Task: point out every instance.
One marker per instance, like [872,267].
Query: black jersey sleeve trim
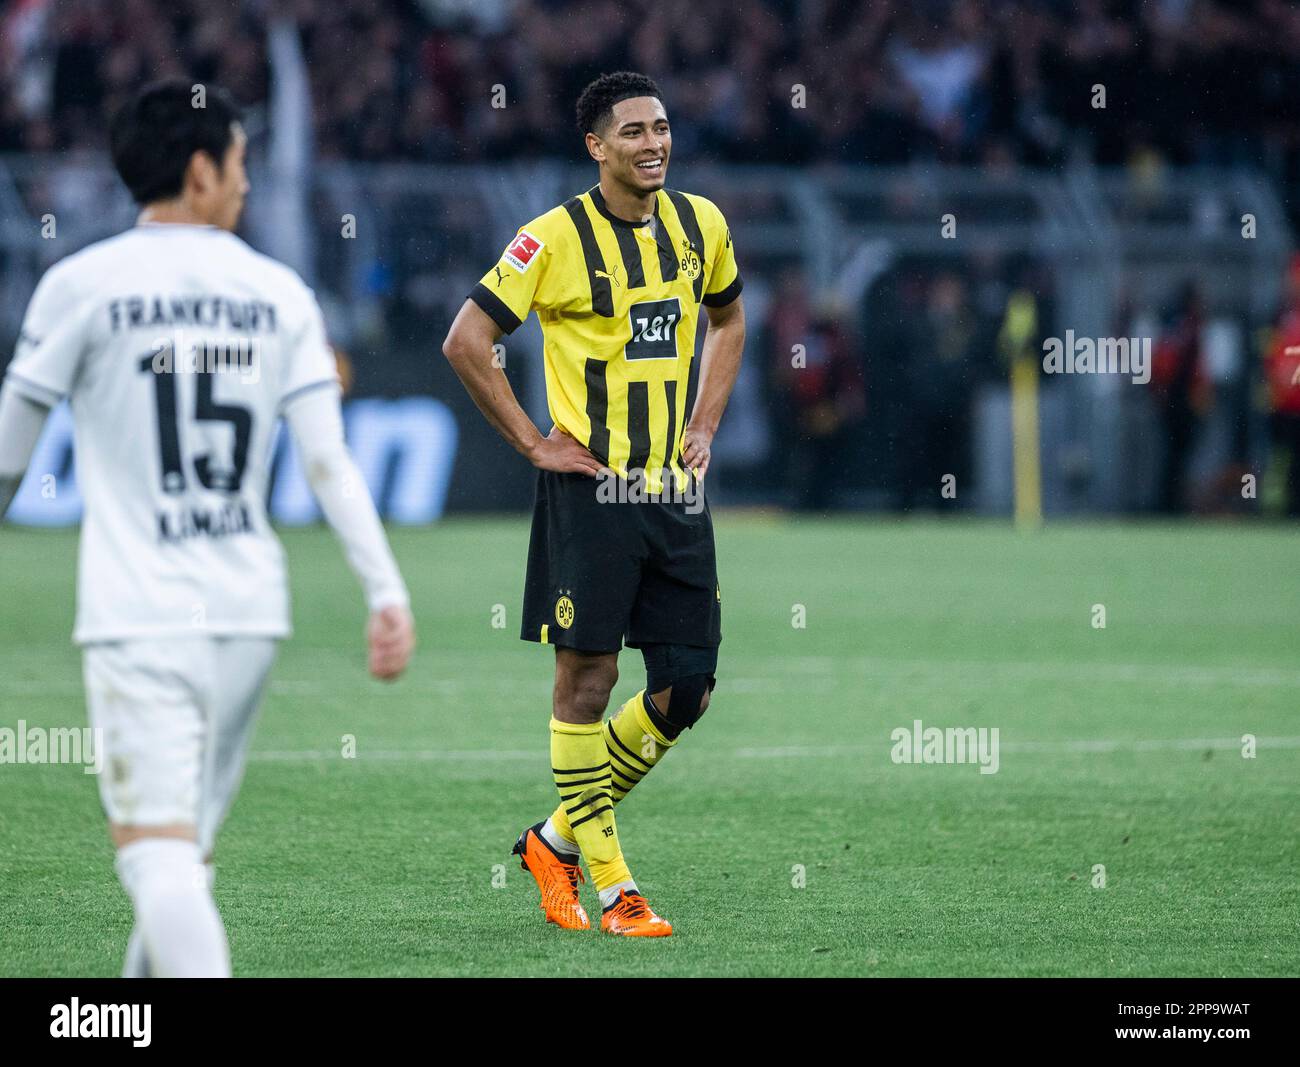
[726,296]
[495,308]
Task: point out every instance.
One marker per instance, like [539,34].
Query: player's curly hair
[596,104]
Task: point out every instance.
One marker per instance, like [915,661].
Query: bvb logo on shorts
[564,612]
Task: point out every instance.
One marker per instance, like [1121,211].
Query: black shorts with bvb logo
[603,573]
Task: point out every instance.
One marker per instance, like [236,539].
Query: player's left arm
[316,421]
[724,343]
[21,422]
[309,401]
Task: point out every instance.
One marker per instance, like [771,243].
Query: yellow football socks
[632,746]
[581,765]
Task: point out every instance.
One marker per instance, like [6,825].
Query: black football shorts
[604,573]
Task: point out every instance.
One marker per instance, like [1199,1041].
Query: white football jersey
[177,347]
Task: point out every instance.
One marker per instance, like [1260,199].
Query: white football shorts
[177,715]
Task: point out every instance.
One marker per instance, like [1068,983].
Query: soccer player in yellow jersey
[622,540]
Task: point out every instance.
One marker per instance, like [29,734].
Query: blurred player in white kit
[179,348]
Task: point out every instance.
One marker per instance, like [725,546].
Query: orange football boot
[557,880]
[632,917]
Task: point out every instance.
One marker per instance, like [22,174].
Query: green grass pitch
[1119,746]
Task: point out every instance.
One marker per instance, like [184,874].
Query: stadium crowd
[994,83]
[884,81]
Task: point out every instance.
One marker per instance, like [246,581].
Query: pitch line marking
[1103,745]
[802,673]
[1088,672]
[506,755]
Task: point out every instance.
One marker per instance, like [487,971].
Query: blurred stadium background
[386,171]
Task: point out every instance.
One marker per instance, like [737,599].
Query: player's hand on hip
[391,637]
[557,451]
[697,448]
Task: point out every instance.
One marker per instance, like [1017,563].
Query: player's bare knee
[583,685]
[589,699]
[123,834]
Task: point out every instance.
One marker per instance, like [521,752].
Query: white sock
[609,897]
[178,924]
[552,837]
[137,959]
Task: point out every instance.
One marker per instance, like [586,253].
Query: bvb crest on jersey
[690,263]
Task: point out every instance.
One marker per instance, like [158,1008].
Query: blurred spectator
[1283,373]
[940,61]
[1182,393]
[943,348]
[820,395]
[878,82]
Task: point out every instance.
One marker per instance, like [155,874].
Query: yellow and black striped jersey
[619,303]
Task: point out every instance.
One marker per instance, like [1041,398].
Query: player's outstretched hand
[697,448]
[391,636]
[557,451]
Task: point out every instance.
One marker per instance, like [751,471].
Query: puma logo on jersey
[500,277]
[612,276]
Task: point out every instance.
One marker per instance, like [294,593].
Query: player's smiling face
[637,144]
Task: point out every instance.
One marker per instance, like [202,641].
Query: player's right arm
[497,305]
[469,348]
[46,363]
